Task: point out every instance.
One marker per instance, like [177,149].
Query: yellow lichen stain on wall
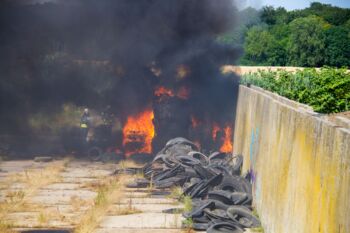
[302,166]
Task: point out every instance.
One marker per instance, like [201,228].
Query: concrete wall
[300,162]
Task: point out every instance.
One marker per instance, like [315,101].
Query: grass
[32,180]
[77,202]
[176,193]
[127,164]
[188,224]
[124,210]
[6,227]
[188,204]
[42,218]
[257,229]
[36,178]
[108,192]
[14,197]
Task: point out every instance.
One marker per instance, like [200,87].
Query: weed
[42,219]
[257,229]
[6,227]
[188,225]
[101,198]
[188,205]
[176,193]
[125,210]
[15,197]
[108,192]
[33,180]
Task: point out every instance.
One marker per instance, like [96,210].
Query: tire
[218,156]
[241,198]
[95,153]
[199,211]
[199,156]
[222,196]
[235,184]
[224,228]
[243,215]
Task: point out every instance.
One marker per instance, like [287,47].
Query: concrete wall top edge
[285,100]
[298,107]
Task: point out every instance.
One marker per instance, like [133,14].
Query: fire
[215,131]
[138,132]
[227,145]
[225,137]
[182,93]
[163,91]
[195,122]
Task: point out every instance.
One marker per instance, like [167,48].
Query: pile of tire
[222,199]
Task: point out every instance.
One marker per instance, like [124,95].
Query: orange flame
[162,91]
[215,131]
[139,129]
[195,122]
[227,145]
[225,137]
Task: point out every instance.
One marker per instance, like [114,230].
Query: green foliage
[313,37]
[307,42]
[272,16]
[271,49]
[188,205]
[327,90]
[188,223]
[337,42]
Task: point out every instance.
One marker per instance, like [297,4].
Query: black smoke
[99,53]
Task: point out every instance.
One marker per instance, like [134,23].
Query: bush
[326,90]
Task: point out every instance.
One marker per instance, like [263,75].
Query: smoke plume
[99,53]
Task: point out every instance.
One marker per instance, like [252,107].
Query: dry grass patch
[6,227]
[33,180]
[123,210]
[37,178]
[127,164]
[109,191]
[77,203]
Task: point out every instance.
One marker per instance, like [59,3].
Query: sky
[295,4]
[288,4]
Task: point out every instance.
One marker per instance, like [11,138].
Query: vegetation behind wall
[326,90]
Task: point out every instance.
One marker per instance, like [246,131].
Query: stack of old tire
[222,199]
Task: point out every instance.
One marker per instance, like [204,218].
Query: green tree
[333,15]
[337,41]
[263,48]
[256,46]
[272,16]
[307,41]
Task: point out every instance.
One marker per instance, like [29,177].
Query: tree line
[312,37]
